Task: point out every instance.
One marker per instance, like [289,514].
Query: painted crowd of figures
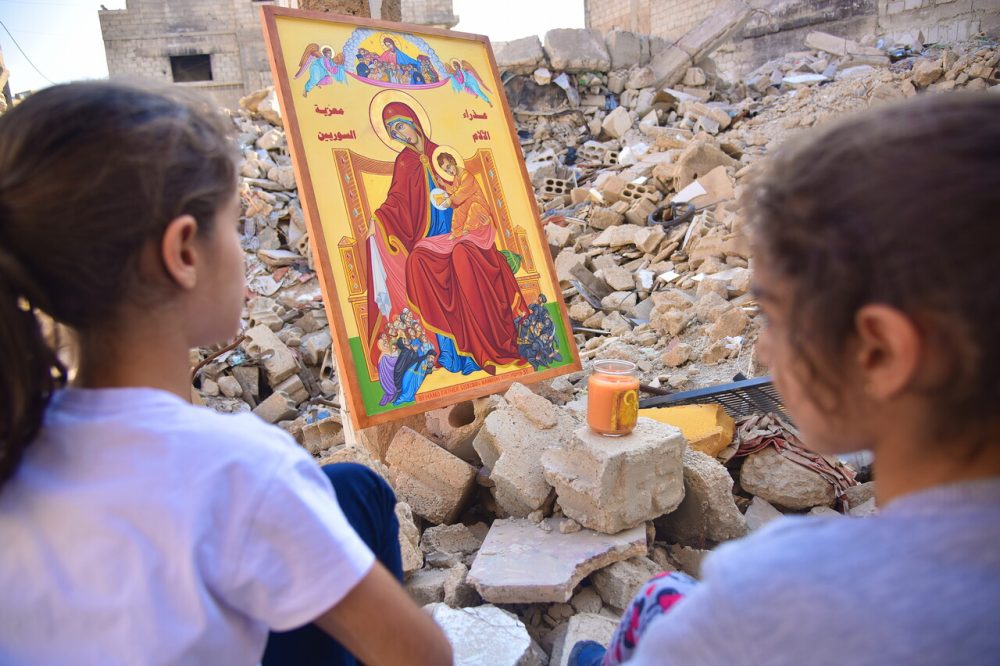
[392,66]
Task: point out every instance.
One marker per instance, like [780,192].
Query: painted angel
[323,65]
[464,77]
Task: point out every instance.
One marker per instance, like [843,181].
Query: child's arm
[379,623]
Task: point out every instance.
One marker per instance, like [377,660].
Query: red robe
[468,294]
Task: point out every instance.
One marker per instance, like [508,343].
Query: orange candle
[613,398]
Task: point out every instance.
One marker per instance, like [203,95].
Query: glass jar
[613,397]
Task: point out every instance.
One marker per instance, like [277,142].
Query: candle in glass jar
[613,398]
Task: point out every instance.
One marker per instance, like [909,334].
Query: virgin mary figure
[462,288]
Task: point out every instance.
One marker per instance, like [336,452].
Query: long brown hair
[899,206]
[89,174]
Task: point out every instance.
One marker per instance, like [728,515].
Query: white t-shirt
[142,530]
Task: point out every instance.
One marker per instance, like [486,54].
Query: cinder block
[432,481]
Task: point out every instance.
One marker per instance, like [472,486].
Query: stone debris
[708,511]
[637,149]
[619,583]
[409,539]
[612,485]
[760,512]
[511,444]
[521,562]
[433,482]
[582,627]
[485,635]
[770,476]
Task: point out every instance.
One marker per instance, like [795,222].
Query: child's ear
[890,350]
[178,251]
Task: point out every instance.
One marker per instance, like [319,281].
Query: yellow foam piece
[707,428]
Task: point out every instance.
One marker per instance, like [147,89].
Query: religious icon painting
[437,278]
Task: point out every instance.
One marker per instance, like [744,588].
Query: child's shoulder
[244,430]
[167,424]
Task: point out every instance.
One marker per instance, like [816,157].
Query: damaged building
[217,45]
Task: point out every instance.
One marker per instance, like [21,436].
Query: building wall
[786,23]
[140,39]
[438,13]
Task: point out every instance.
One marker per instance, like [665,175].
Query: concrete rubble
[524,562]
[615,484]
[637,151]
[486,635]
[582,627]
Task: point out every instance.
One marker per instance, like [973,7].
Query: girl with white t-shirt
[136,528]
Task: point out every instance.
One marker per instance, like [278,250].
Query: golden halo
[442,174]
[333,51]
[384,36]
[383,99]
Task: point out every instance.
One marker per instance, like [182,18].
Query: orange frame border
[348,380]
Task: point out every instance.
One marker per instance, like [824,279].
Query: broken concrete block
[730,324]
[688,558]
[582,627]
[859,494]
[314,346]
[624,48]
[926,72]
[586,601]
[458,593]
[521,562]
[485,636]
[612,484]
[427,586]
[695,76]
[602,218]
[278,360]
[619,583]
[542,413]
[458,539]
[376,439]
[759,513]
[707,428]
[697,160]
[520,56]
[780,481]
[294,389]
[454,428]
[619,278]
[230,387]
[511,444]
[271,140]
[322,435]
[867,508]
[617,122]
[432,481]
[708,511]
[277,407]
[566,261]
[822,41]
[711,307]
[668,67]
[409,539]
[678,353]
[576,50]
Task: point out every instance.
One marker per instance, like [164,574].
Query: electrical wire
[25,54]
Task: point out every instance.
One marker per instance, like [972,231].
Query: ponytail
[29,370]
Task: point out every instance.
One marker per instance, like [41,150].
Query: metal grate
[739,399]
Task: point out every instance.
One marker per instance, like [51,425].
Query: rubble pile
[509,507]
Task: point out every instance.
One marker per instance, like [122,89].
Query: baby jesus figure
[466,199]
